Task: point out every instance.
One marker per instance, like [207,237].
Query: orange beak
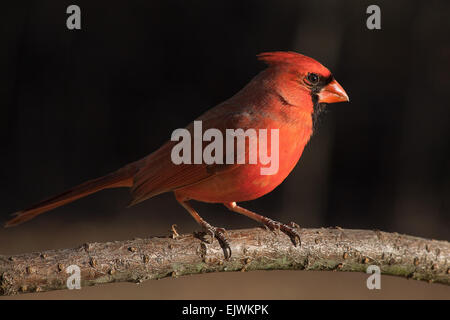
[333,92]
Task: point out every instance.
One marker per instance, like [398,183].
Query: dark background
[77,104]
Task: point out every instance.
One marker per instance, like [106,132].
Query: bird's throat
[319,110]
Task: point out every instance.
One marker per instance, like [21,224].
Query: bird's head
[302,81]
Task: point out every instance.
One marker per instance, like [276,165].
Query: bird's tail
[120,178]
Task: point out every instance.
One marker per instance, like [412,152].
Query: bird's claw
[288,229]
[219,234]
[293,225]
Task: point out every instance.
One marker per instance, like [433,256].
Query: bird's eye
[313,78]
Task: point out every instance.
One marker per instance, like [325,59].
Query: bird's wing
[158,174]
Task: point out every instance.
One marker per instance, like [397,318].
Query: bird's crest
[276,58]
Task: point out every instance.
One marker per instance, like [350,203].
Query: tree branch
[252,249]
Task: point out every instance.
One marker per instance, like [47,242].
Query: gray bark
[252,249]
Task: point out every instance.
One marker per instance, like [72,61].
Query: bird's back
[256,106]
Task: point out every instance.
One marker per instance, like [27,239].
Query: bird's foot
[219,234]
[288,229]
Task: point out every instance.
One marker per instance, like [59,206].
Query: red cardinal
[287,96]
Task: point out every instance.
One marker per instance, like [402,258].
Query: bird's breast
[250,181]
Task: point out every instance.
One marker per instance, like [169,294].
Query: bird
[288,95]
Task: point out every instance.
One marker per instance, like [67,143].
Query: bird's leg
[271,224]
[218,233]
